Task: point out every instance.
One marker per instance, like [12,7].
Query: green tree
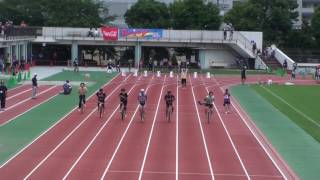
[194,14]
[72,13]
[273,17]
[148,14]
[315,24]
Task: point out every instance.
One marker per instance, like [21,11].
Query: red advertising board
[110,33]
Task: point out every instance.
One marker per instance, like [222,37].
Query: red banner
[110,33]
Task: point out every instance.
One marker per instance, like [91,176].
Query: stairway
[271,62]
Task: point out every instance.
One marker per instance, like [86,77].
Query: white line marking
[152,127]
[18,94]
[229,137]
[254,134]
[18,87]
[292,107]
[67,137]
[195,173]
[28,99]
[124,134]
[94,138]
[44,132]
[202,133]
[10,120]
[177,134]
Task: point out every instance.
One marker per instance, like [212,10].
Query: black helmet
[100,89]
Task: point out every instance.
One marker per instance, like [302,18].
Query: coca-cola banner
[110,33]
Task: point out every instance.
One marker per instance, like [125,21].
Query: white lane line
[124,134]
[67,137]
[152,127]
[18,94]
[177,134]
[94,138]
[202,133]
[292,107]
[10,120]
[28,99]
[254,134]
[229,137]
[44,132]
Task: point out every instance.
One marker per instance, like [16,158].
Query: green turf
[21,131]
[305,99]
[295,145]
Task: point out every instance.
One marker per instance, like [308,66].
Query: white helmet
[142,90]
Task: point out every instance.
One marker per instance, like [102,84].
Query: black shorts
[243,77]
[226,102]
[209,105]
[183,81]
[124,103]
[168,104]
[142,103]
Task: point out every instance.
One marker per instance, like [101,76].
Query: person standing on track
[184,78]
[123,99]
[34,86]
[101,97]
[3,95]
[169,98]
[82,94]
[226,101]
[243,75]
[142,99]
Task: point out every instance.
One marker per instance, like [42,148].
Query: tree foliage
[273,17]
[148,14]
[73,13]
[194,14]
[316,25]
[185,14]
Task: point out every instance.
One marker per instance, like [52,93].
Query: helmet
[100,89]
[142,90]
[123,90]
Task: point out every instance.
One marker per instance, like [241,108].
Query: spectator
[224,33]
[170,65]
[155,64]
[90,33]
[3,95]
[161,64]
[231,31]
[150,64]
[67,88]
[285,64]
[1,63]
[23,24]
[96,32]
[254,47]
[34,86]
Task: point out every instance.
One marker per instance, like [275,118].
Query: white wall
[219,57]
[254,36]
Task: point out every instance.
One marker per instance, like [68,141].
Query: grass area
[24,129]
[295,145]
[217,71]
[299,103]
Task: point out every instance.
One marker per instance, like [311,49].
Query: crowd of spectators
[7,26]
[93,32]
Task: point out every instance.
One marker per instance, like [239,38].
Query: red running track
[83,146]
[23,103]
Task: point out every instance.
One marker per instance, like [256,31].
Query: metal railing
[186,36]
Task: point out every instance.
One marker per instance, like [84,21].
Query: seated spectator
[67,88]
